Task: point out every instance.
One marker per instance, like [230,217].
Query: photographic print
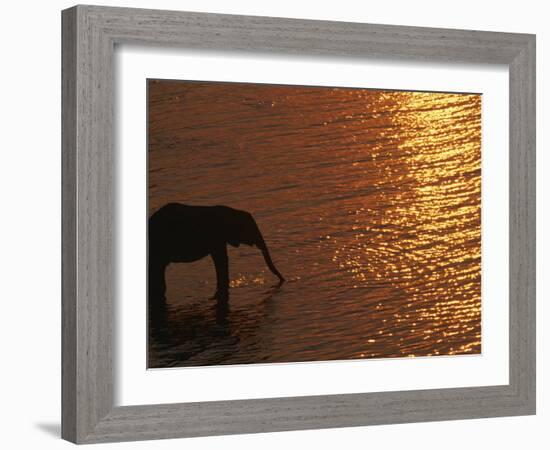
[299,223]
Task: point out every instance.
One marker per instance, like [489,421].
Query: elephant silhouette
[183,233]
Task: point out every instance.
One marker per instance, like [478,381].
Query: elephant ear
[240,228]
[233,242]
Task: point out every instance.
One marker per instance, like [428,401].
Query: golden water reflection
[437,199]
[369,201]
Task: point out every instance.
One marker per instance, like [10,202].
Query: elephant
[181,233]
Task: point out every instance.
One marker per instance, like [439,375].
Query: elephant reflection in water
[183,233]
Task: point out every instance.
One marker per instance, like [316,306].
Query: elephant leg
[219,256]
[157,283]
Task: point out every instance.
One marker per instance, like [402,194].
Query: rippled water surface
[369,202]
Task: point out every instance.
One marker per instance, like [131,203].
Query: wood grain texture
[522,224]
[88,262]
[89,36]
[68,226]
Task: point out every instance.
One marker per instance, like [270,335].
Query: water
[369,202]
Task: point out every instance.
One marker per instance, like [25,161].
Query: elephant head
[241,228]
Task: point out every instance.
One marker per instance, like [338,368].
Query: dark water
[369,202]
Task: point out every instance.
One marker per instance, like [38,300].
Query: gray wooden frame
[89,36]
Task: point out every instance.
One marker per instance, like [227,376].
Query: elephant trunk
[263,247]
